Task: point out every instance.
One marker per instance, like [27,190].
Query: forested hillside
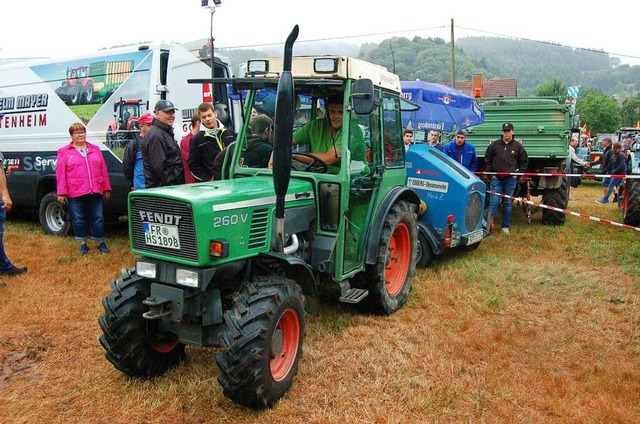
[531,63]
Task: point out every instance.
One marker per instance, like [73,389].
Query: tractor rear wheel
[389,279]
[632,200]
[134,344]
[558,199]
[262,341]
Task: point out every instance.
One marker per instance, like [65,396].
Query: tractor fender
[299,271]
[431,236]
[373,237]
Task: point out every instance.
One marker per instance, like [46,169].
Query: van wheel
[52,216]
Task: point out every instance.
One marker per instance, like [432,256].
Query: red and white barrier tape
[567,212]
[555,174]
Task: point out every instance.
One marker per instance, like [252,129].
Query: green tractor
[238,263]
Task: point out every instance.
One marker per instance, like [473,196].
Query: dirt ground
[542,326]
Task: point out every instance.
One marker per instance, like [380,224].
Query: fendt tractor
[544,125]
[237,263]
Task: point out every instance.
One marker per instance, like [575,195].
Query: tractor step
[354,295]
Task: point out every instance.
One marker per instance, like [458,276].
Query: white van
[107,91]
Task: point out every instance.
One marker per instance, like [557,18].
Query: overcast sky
[52,28]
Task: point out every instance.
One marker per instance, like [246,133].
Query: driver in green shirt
[324,137]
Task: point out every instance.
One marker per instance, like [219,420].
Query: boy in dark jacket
[132,165]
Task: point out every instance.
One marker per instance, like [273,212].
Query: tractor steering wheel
[316,164]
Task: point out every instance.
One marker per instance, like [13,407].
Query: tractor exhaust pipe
[283,136]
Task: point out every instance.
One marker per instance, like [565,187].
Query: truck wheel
[558,199]
[133,344]
[262,341]
[632,213]
[52,216]
[424,254]
[389,279]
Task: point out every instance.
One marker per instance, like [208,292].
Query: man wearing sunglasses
[504,155]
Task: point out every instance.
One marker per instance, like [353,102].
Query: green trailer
[544,126]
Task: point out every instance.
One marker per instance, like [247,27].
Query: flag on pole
[572,97]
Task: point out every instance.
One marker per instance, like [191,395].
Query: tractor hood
[177,223]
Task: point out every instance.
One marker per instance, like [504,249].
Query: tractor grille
[474,211]
[258,232]
[186,231]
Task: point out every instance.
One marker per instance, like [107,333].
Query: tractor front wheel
[389,279]
[262,341]
[133,344]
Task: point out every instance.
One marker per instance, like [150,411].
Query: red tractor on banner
[125,124]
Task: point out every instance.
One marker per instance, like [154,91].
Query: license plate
[475,237]
[161,235]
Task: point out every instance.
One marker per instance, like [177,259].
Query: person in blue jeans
[6,266]
[619,168]
[504,155]
[82,182]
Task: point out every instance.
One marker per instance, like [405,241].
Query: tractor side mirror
[362,95]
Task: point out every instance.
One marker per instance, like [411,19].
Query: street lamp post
[211,5]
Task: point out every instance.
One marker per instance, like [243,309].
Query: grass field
[542,326]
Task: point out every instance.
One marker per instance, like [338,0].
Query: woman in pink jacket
[82,182]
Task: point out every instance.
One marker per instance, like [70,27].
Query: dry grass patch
[541,326]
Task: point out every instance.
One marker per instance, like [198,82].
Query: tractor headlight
[187,278]
[146,269]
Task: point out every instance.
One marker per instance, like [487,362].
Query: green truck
[544,125]
[238,263]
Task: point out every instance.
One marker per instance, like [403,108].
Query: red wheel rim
[284,344]
[161,342]
[164,345]
[397,267]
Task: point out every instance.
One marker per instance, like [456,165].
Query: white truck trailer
[40,99]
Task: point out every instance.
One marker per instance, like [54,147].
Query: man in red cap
[132,165]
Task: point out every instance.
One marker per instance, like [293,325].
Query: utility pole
[453,57]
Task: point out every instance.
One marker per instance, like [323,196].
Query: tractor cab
[362,146]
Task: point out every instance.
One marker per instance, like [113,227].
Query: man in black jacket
[206,145]
[160,151]
[509,156]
